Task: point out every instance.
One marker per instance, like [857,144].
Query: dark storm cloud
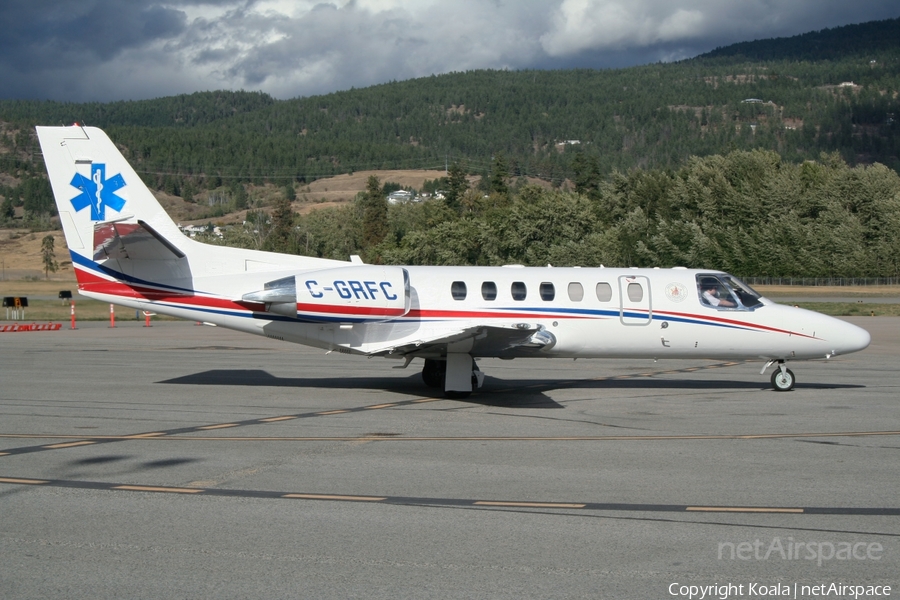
[37,35]
[115,49]
[335,47]
[610,29]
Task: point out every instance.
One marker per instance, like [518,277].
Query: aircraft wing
[490,340]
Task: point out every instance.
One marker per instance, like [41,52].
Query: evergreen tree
[499,175]
[48,256]
[239,196]
[374,214]
[281,238]
[187,192]
[457,184]
[587,174]
[7,210]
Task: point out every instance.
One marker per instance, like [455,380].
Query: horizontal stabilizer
[134,241]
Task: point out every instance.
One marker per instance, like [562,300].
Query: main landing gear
[433,372]
[782,378]
[457,375]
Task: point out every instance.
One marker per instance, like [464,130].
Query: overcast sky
[128,49]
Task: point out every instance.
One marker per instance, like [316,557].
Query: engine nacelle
[343,294]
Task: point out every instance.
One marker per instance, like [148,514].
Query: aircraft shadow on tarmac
[112,458]
[118,465]
[496,392]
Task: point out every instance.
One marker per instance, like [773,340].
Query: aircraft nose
[850,338]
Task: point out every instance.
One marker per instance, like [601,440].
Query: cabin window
[518,290]
[489,290]
[604,292]
[635,292]
[576,292]
[547,291]
[726,292]
[458,290]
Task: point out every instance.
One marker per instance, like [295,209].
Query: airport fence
[823,281]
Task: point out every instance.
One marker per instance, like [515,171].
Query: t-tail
[126,249]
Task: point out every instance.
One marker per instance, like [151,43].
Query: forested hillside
[749,213]
[610,135]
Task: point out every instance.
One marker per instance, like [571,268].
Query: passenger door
[635,306]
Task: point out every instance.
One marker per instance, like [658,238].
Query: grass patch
[85,310]
[44,305]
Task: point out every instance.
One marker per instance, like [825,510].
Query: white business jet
[126,250]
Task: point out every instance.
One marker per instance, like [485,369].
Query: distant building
[400,197]
[193,230]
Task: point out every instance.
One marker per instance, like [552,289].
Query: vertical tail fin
[102,201]
[122,241]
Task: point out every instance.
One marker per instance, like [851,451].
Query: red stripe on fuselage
[735,323]
[330,309]
[90,282]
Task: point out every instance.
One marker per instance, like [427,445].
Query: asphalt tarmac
[183,461]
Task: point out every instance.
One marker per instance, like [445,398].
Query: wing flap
[488,340]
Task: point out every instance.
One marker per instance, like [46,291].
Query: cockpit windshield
[726,292]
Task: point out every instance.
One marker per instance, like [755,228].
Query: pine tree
[48,256]
[375,213]
[457,184]
[281,239]
[239,196]
[587,174]
[7,209]
[499,175]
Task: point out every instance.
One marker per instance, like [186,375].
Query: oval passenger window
[518,290]
[576,292]
[548,292]
[635,292]
[604,292]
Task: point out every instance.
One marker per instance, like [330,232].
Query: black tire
[783,382]
[453,395]
[434,372]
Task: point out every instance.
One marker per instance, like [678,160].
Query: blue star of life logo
[98,192]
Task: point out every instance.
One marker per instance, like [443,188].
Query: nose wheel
[782,379]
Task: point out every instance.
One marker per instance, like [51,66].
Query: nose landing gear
[782,378]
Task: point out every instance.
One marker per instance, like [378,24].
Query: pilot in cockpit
[711,294]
